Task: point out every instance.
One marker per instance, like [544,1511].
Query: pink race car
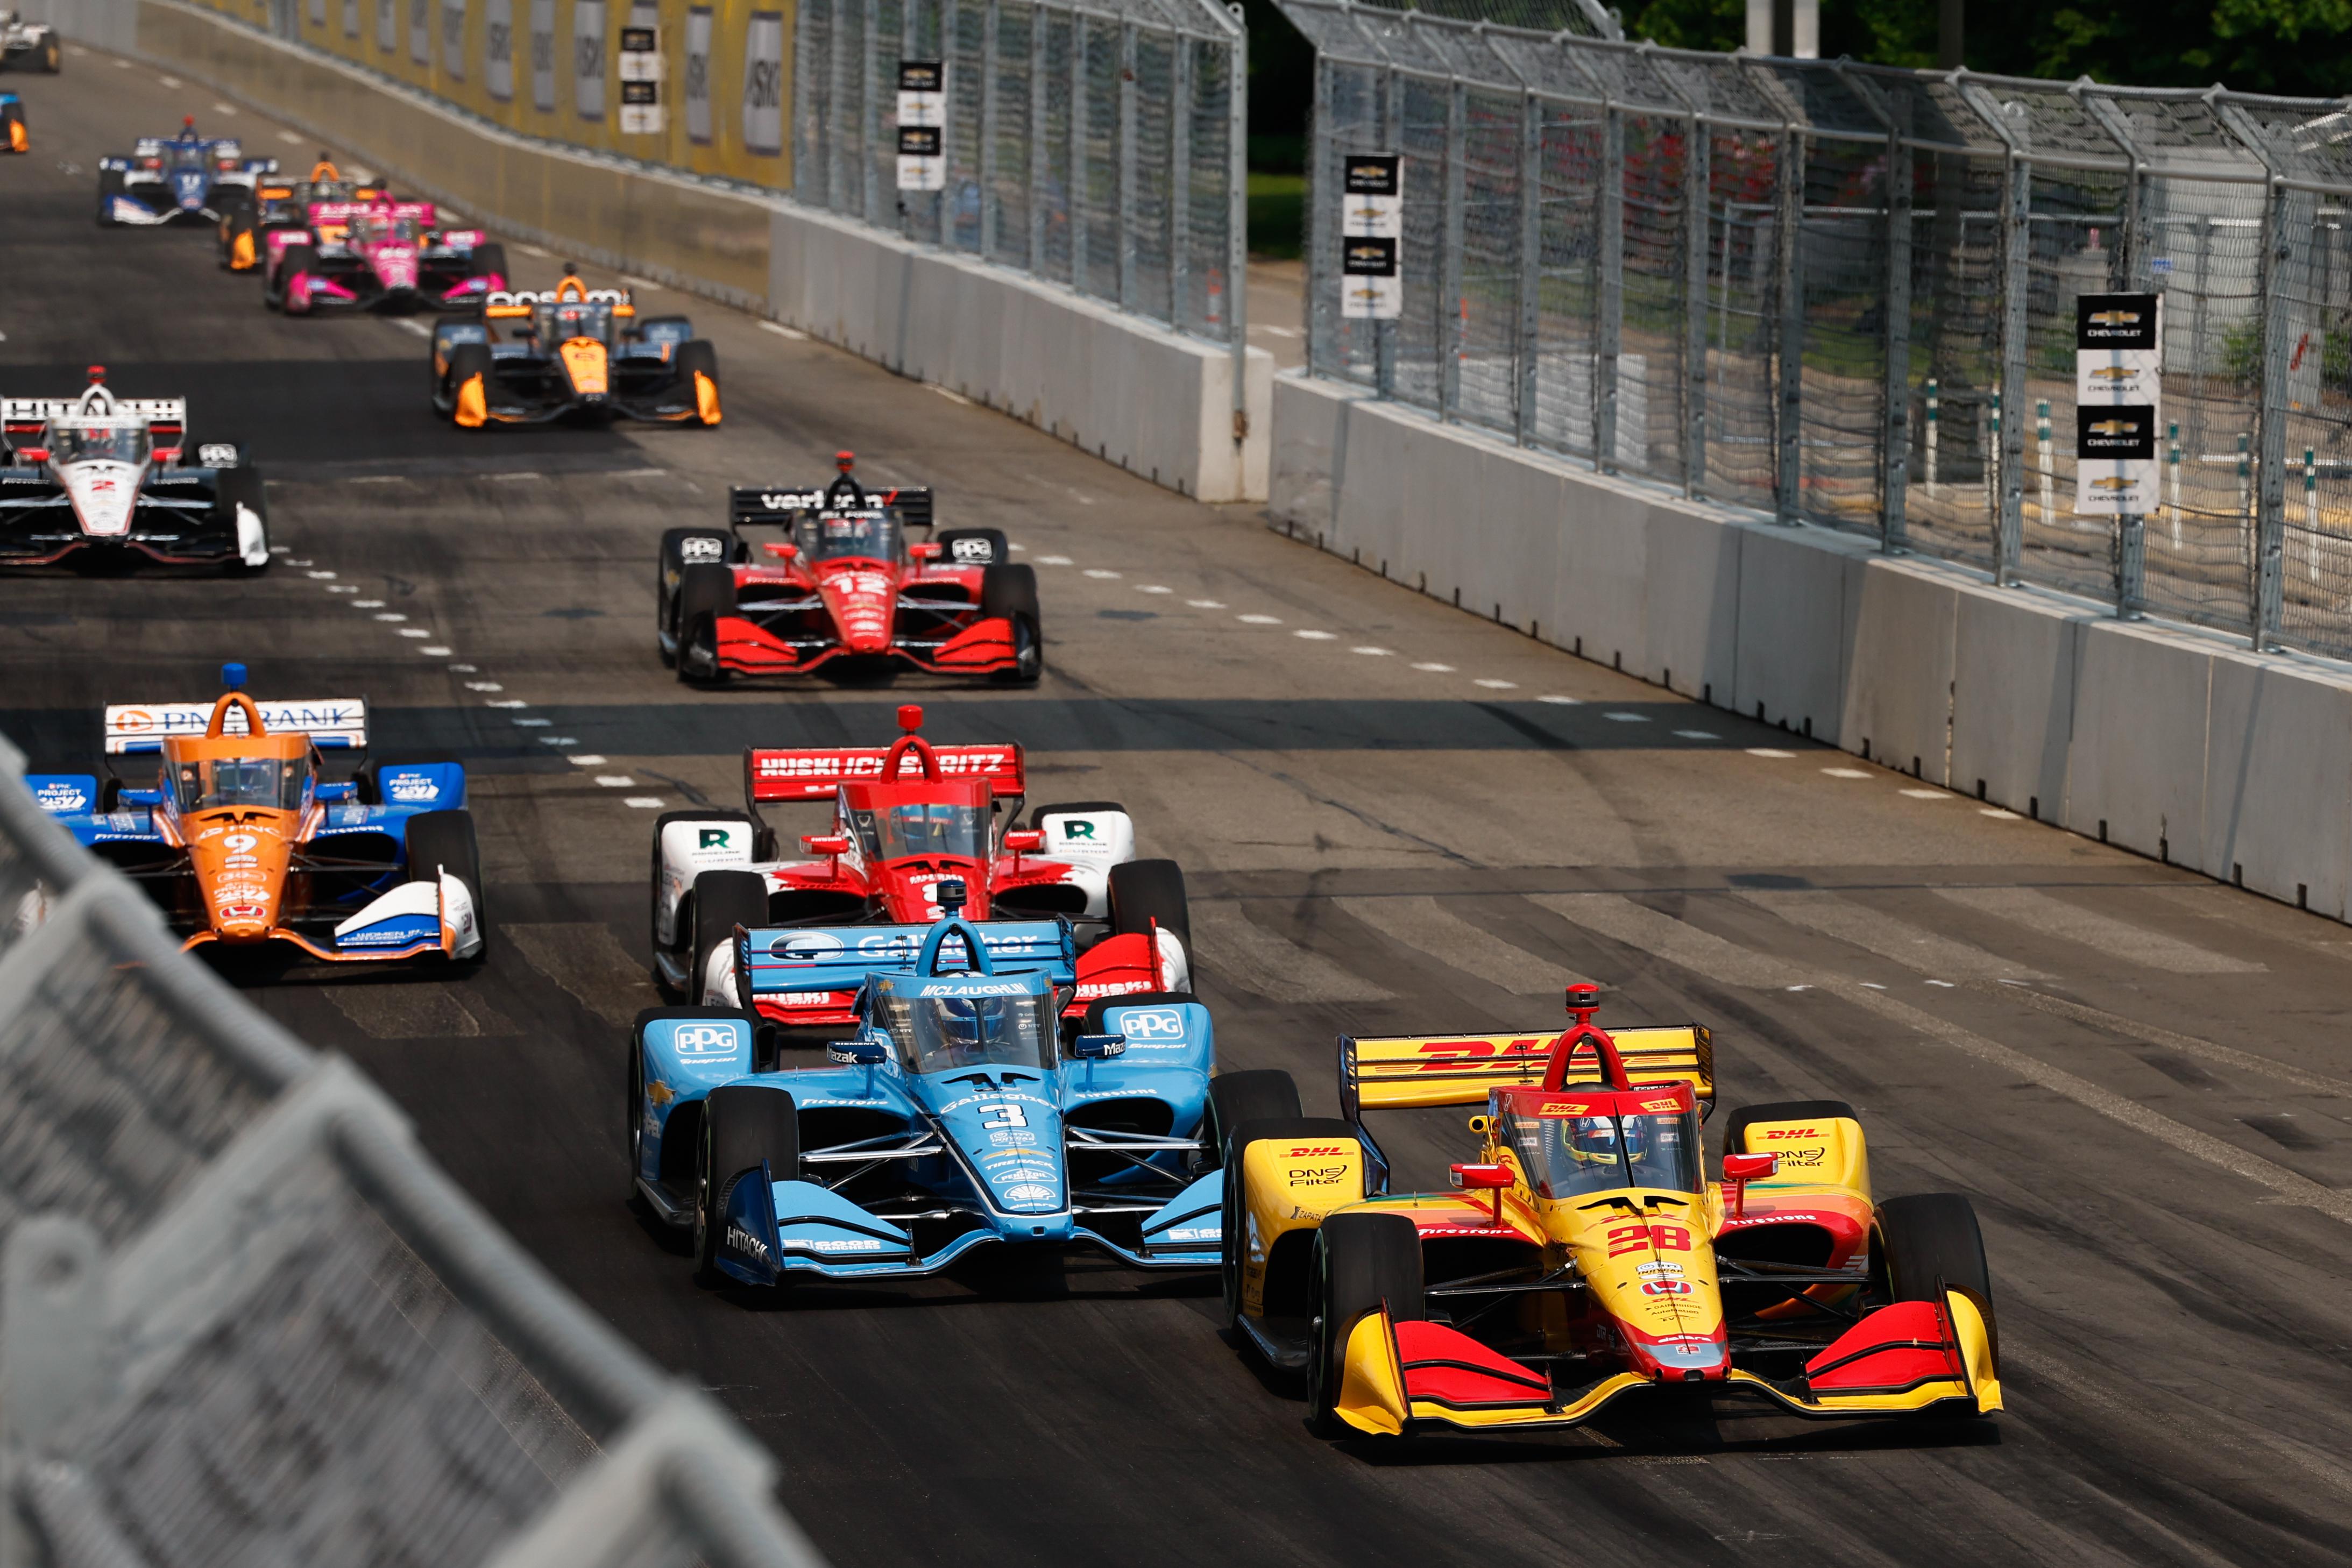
[375,256]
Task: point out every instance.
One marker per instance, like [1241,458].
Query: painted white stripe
[2040,913]
[1621,919]
[780,330]
[1427,927]
[1876,931]
[415,329]
[2186,1044]
[1234,947]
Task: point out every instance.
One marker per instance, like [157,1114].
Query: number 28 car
[1584,1257]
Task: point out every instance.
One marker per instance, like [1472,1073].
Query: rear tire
[488,261]
[110,186]
[299,258]
[652,903]
[445,840]
[694,358]
[1734,1132]
[1362,1262]
[708,547]
[705,594]
[1010,592]
[237,217]
[742,1126]
[1929,1241]
[53,58]
[235,488]
[466,360]
[723,901]
[1142,892]
[1266,1095]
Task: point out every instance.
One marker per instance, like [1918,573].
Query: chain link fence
[243,1320]
[1845,293]
[1099,146]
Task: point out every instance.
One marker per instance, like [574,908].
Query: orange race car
[245,845]
[1587,1256]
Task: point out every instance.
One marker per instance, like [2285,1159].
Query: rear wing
[770,777]
[144,726]
[39,410]
[774,505]
[839,958]
[514,302]
[1405,1072]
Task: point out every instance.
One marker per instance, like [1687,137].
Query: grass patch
[1278,214]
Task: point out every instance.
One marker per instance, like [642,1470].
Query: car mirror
[926,550]
[857,1052]
[338,791]
[1096,1046]
[1481,1123]
[142,796]
[825,844]
[1024,841]
[31,455]
[1750,1167]
[785,552]
[1481,1178]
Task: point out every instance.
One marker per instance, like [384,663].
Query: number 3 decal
[1005,1116]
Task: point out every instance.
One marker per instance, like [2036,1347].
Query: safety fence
[1846,294]
[1100,145]
[243,1319]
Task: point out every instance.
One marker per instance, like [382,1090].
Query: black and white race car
[104,478]
[29,45]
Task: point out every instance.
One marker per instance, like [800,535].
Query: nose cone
[588,367]
[103,495]
[395,267]
[1013,1139]
[241,865]
[864,601]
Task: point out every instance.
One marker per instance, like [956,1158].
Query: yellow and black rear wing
[1405,1072]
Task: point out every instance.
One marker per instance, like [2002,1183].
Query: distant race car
[374,254]
[962,1114]
[245,845]
[1588,1257]
[844,584]
[102,477]
[286,204]
[28,46]
[167,179]
[573,352]
[907,822]
[16,136]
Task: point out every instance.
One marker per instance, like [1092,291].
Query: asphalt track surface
[1390,821]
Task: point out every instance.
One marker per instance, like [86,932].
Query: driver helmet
[1595,1139]
[961,1024]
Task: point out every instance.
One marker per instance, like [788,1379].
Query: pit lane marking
[780,330]
[1494,686]
[286,136]
[418,328]
[589,760]
[1206,603]
[491,686]
[1318,636]
[1259,620]
[1435,669]
[645,802]
[1371,651]
[952,397]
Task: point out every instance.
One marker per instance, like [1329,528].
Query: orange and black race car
[1586,1256]
[572,352]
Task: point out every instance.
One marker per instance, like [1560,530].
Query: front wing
[797,644]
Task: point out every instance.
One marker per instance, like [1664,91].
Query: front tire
[723,901]
[1010,592]
[705,595]
[742,1127]
[682,937]
[681,548]
[110,186]
[1927,1243]
[1145,891]
[1363,1263]
[443,842]
[698,373]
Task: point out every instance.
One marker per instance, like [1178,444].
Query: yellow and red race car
[1586,1256]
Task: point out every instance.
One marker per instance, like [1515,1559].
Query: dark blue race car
[167,179]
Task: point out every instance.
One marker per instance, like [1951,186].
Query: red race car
[844,584]
[906,820]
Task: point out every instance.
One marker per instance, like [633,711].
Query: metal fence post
[1894,331]
[1127,166]
[1391,140]
[1180,176]
[2270,462]
[1451,301]
[951,37]
[1609,300]
[1237,220]
[1039,20]
[1530,301]
[869,120]
[829,131]
[906,52]
[985,165]
[1788,427]
[1081,166]
[1322,235]
[1698,185]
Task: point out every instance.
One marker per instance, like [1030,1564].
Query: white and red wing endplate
[814,774]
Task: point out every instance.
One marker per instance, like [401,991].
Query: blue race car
[957,1118]
[244,846]
[166,179]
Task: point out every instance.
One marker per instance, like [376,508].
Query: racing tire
[669,573]
[237,217]
[53,58]
[1237,1099]
[1011,591]
[1927,1242]
[1238,1137]
[699,359]
[12,127]
[1734,1132]
[445,840]
[368,778]
[741,1126]
[467,361]
[488,261]
[723,901]
[653,902]
[1142,892]
[1362,1262]
[705,594]
[995,550]
[298,258]
[241,487]
[110,186]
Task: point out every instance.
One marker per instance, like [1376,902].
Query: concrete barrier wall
[2163,740]
[1152,401]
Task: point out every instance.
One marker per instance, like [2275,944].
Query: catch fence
[243,1319]
[1100,145]
[1845,293]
